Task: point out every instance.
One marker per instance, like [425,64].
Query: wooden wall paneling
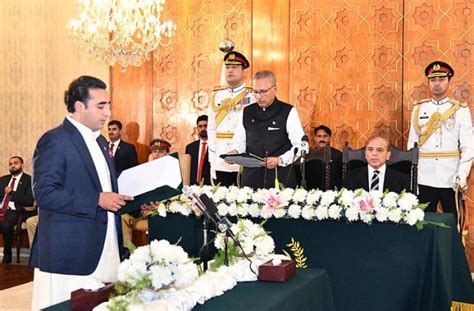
[132,104]
[346,67]
[441,30]
[186,72]
[270,41]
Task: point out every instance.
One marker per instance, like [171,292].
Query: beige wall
[37,62]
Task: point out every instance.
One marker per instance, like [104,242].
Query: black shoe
[7,259]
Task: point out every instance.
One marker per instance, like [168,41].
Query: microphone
[295,152]
[304,147]
[209,209]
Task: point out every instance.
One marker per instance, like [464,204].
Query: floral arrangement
[251,236]
[346,205]
[152,267]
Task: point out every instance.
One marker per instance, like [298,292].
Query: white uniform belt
[439,154]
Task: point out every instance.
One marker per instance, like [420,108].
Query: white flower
[244,194]
[279,213]
[321,212]
[254,210]
[141,254]
[352,213]
[328,198]
[232,210]
[414,215]
[220,194]
[313,197]
[307,213]
[395,215]
[390,199]
[407,201]
[174,206]
[381,213]
[233,194]
[160,276]
[346,197]
[243,209]
[299,195]
[366,217]
[222,209]
[259,195]
[286,195]
[334,211]
[161,210]
[264,245]
[294,211]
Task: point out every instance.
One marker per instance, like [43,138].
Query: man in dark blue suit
[124,154]
[78,236]
[376,176]
[200,167]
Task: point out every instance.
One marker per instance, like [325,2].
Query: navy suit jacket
[394,181]
[193,150]
[71,230]
[125,157]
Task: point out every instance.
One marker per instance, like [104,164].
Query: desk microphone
[304,147]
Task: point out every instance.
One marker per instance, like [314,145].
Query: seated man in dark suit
[315,169]
[15,193]
[200,168]
[124,154]
[377,176]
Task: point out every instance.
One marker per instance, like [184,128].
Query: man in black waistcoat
[270,129]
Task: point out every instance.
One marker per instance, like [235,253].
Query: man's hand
[231,152]
[271,162]
[111,201]
[150,206]
[460,183]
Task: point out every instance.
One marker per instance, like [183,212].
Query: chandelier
[120,31]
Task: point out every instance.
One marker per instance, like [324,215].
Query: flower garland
[152,267]
[316,205]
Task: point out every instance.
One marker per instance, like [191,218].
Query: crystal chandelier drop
[120,31]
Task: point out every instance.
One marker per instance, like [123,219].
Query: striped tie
[374,182]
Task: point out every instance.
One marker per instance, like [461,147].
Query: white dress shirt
[381,170]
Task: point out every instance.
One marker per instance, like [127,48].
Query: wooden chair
[402,161]
[20,228]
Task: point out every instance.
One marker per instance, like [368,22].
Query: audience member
[200,168]
[15,193]
[124,154]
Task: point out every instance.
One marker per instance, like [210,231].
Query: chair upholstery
[185,164]
[324,155]
[398,161]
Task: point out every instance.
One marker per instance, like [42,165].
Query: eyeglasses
[262,92]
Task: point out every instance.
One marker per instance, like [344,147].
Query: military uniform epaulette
[423,101]
[219,88]
[249,88]
[460,103]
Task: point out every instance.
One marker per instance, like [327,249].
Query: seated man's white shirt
[381,170]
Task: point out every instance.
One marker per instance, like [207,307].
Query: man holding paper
[269,129]
[78,236]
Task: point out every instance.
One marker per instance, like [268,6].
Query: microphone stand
[205,247]
[292,166]
[226,251]
[303,171]
[265,173]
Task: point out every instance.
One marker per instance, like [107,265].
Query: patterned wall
[356,66]
[37,62]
